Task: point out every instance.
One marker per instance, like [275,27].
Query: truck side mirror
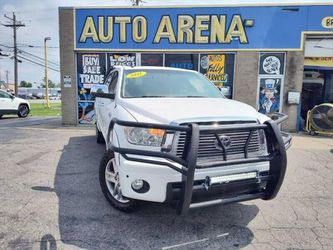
[101,91]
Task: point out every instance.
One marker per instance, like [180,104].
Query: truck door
[109,104]
[100,106]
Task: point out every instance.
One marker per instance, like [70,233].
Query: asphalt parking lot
[50,199]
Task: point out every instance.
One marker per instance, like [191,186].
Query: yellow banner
[318,61]
[215,71]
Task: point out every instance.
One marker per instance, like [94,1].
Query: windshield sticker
[136,74]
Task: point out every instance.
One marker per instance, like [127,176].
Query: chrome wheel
[112,181]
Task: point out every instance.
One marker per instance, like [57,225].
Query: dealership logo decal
[200,29]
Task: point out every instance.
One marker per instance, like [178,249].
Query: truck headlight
[145,136]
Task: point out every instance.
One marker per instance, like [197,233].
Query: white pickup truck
[172,136]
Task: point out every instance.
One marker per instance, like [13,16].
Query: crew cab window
[113,83]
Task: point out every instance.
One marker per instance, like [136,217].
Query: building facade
[254,54]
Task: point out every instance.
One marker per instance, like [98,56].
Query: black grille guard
[277,143]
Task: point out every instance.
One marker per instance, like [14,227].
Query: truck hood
[179,110]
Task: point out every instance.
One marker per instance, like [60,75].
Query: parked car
[9,104]
[171,135]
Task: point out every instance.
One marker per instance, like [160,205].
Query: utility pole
[15,25]
[7,76]
[46,77]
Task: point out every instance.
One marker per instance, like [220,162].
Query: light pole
[46,78]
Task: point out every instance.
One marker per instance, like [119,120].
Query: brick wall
[246,77]
[293,82]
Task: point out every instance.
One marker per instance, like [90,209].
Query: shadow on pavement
[86,220]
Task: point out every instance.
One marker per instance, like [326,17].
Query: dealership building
[274,58]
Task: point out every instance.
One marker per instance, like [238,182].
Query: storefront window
[152,59]
[219,68]
[183,61]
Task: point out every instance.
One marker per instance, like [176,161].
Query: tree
[51,84]
[24,84]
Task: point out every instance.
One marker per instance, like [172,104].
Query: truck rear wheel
[110,184]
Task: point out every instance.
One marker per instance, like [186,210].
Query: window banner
[271,80]
[219,68]
[91,69]
[121,59]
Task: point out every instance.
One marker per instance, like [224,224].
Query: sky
[41,20]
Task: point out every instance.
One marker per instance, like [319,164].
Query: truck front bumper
[181,173]
[165,183]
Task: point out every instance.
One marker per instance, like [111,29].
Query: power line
[37,63]
[32,55]
[38,46]
[38,58]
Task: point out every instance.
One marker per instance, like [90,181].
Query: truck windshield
[145,83]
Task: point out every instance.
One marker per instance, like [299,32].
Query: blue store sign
[199,28]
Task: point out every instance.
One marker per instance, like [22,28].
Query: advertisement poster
[271,64]
[219,68]
[271,78]
[91,69]
[67,81]
[121,59]
[269,97]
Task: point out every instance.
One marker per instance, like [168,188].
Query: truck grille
[208,152]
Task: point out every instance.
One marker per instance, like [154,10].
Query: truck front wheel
[110,184]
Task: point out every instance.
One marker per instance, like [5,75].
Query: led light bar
[233,177]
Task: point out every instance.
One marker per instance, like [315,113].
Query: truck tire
[99,136]
[111,188]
